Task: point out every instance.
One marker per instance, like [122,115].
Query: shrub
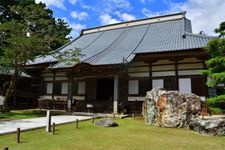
[217,104]
[216,110]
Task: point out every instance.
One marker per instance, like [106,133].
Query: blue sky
[80,14]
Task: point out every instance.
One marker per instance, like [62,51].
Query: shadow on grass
[22,114]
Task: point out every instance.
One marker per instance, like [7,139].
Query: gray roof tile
[114,45]
[121,48]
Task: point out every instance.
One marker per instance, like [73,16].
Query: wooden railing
[59,104]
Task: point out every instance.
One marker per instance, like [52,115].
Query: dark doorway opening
[105,89]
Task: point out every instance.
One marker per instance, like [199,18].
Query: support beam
[116,94]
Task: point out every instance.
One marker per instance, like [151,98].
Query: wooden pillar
[205,79]
[116,94]
[70,94]
[53,83]
[176,74]
[14,101]
[48,121]
[150,74]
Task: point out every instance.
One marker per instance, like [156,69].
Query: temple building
[122,61]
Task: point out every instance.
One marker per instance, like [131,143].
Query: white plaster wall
[163,73]
[190,72]
[164,67]
[143,74]
[190,66]
[134,98]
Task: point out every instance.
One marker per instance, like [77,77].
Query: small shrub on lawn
[217,104]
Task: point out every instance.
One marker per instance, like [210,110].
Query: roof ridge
[154,19]
[199,35]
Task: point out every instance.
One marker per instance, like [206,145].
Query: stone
[106,123]
[212,126]
[164,108]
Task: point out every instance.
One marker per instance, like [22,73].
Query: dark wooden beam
[173,55]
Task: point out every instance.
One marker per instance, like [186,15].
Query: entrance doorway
[105,89]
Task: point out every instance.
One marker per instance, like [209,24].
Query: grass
[24,114]
[129,135]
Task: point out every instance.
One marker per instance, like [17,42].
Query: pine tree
[216,67]
[32,31]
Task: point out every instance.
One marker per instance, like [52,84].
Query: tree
[32,32]
[6,14]
[216,67]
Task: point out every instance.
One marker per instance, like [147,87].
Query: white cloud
[85,6]
[148,13]
[76,29]
[79,15]
[107,19]
[121,3]
[144,1]
[125,16]
[205,15]
[56,3]
[73,2]
[111,6]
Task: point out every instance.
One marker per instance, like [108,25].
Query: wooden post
[116,94]
[114,115]
[53,128]
[48,121]
[70,94]
[6,148]
[105,116]
[133,115]
[77,122]
[18,135]
[93,119]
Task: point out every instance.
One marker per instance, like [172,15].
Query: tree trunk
[11,89]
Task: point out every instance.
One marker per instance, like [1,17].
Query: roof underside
[116,45]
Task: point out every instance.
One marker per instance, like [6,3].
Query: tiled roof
[109,45]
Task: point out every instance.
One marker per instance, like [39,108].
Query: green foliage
[221,29]
[216,64]
[217,104]
[29,31]
[32,32]
[216,110]
[216,68]
[6,14]
[216,101]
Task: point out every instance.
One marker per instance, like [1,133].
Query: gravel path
[34,123]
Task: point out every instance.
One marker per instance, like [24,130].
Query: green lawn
[24,114]
[130,135]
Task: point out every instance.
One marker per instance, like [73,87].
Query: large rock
[106,123]
[170,108]
[214,127]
